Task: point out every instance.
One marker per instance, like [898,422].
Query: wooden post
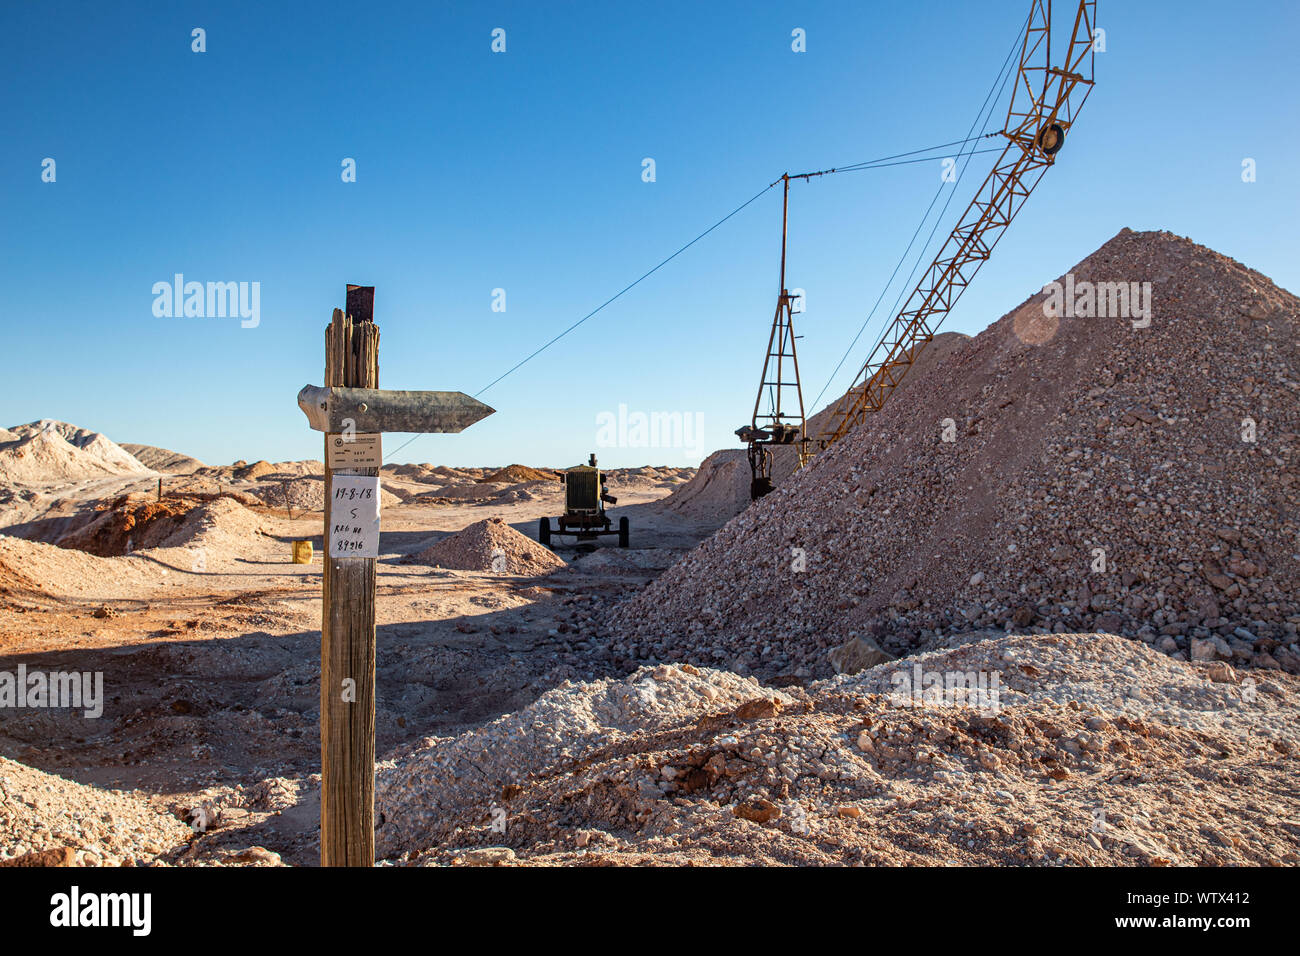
[347,676]
[351,401]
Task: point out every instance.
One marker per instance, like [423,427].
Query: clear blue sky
[523,171]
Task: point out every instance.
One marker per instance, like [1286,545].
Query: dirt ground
[210,650]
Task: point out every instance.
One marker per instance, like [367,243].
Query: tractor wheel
[622,533]
[544,532]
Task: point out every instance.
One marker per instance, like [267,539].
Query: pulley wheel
[1051,139]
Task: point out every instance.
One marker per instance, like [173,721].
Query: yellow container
[302,552]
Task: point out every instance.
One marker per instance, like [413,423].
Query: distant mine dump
[1028,597]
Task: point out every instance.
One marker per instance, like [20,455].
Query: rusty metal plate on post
[355,451]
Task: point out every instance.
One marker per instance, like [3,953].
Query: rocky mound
[295,494]
[417,796]
[490,545]
[14,580]
[136,522]
[622,561]
[306,467]
[258,469]
[161,459]
[1099,476]
[718,491]
[445,473]
[928,359]
[410,472]
[513,474]
[48,452]
[684,765]
[29,568]
[243,471]
[532,491]
[129,525]
[42,812]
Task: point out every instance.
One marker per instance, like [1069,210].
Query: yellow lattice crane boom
[1044,104]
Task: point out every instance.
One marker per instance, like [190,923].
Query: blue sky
[523,171]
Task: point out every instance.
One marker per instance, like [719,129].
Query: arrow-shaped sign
[381,410]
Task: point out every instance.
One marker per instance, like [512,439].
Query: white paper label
[354,517]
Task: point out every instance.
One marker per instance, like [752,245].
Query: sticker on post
[354,517]
[355,450]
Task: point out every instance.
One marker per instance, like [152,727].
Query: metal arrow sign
[380,410]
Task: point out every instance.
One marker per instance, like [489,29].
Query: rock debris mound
[717,492]
[137,522]
[512,474]
[677,764]
[163,459]
[48,451]
[1063,473]
[418,795]
[492,546]
[42,813]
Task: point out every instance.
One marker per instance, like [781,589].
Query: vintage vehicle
[584,515]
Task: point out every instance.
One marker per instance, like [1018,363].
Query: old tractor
[584,515]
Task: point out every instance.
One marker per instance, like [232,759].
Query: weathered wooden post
[352,412]
[347,649]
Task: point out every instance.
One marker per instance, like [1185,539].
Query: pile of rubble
[295,494]
[49,451]
[137,522]
[1054,749]
[47,820]
[490,546]
[1134,474]
[163,459]
[35,568]
[513,474]
[717,492]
